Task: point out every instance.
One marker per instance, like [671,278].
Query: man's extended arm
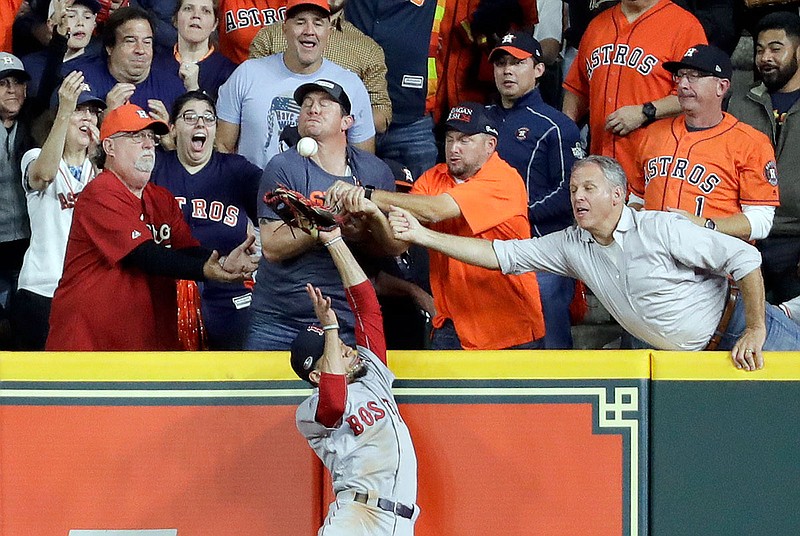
[426,208]
[473,251]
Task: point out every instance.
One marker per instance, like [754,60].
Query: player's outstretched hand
[322,306]
[746,353]
[625,120]
[405,226]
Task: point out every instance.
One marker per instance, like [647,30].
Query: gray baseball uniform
[369,453]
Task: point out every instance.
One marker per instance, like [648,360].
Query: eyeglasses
[191,117]
[137,137]
[691,76]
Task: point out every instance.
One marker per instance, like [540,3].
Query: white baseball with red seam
[307,147]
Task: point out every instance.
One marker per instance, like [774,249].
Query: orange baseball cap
[293,5]
[129,118]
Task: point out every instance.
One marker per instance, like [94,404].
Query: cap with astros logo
[129,118]
[307,348]
[705,58]
[10,65]
[521,45]
[470,118]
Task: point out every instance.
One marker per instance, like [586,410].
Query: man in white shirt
[663,278]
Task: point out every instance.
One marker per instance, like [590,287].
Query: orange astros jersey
[240,21]
[710,173]
[619,63]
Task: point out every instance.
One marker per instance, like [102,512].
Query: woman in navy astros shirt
[217,194]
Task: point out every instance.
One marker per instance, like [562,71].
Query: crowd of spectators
[467,115]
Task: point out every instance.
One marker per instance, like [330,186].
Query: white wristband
[332,241]
[330,327]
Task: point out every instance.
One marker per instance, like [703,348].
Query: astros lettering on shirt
[709,173]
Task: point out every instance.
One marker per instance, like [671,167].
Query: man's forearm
[737,225]
[426,208]
[752,289]
[475,251]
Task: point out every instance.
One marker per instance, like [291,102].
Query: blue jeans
[557,292]
[783,335]
[412,144]
[269,333]
[446,338]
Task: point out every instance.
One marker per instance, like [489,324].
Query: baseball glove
[300,212]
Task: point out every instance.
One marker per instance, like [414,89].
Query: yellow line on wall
[715,366]
[220,366]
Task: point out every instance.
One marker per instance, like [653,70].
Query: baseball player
[705,163]
[617,76]
[351,420]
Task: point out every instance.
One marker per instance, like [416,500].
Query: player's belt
[385,504]
[730,305]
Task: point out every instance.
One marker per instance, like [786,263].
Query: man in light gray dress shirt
[664,279]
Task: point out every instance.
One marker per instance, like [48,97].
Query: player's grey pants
[349,518]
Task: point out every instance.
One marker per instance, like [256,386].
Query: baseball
[307,147]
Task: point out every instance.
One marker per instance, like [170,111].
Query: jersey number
[699,203]
[365,416]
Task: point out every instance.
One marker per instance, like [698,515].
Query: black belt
[727,313]
[385,504]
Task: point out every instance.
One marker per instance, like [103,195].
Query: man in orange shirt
[476,194]
[714,169]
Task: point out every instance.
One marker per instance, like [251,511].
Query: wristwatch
[368,189]
[649,112]
[710,224]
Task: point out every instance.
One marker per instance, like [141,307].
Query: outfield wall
[512,443]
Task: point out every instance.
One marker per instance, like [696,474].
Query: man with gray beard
[127,246]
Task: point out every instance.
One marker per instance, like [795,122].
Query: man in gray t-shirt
[292,258]
[256,102]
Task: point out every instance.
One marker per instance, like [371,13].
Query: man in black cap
[475,193]
[351,419]
[706,164]
[279,310]
[541,143]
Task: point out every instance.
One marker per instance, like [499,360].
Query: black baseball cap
[705,58]
[333,89]
[307,348]
[470,118]
[521,45]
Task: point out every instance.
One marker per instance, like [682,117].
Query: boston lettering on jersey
[620,54]
[367,415]
[678,168]
[244,18]
[214,211]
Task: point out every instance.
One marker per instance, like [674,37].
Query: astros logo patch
[690,52]
[771,173]
[522,133]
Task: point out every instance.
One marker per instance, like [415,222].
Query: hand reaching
[322,306]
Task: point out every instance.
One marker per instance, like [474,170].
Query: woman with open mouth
[52,178]
[217,193]
[194,54]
